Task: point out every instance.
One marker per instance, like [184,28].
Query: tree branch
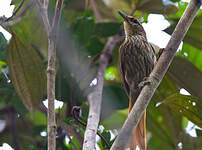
[51,72]
[44,15]
[15,12]
[156,76]
[51,69]
[57,15]
[95,97]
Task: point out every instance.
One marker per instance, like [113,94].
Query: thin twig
[57,15]
[44,15]
[16,18]
[16,11]
[156,75]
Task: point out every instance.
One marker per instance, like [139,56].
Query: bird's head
[132,26]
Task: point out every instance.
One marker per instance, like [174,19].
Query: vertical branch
[51,72]
[95,97]
[44,15]
[156,75]
[51,69]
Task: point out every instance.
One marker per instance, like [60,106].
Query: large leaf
[31,29]
[27,72]
[186,75]
[188,106]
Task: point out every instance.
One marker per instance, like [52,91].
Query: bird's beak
[124,16]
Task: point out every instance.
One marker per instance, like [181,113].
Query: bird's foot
[145,81]
[159,53]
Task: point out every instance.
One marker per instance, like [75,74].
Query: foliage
[81,40]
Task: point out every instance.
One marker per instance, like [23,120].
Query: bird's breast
[135,59]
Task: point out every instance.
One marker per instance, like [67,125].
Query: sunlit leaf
[111,73]
[188,106]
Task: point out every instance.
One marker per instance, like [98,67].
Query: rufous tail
[139,136]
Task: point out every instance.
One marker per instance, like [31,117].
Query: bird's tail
[139,136]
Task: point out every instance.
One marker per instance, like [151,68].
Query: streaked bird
[136,61]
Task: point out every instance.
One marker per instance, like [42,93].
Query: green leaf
[83,28]
[27,72]
[18,104]
[31,30]
[106,29]
[3,45]
[38,117]
[114,98]
[188,106]
[192,54]
[193,36]
[199,132]
[156,143]
[106,135]
[116,120]
[112,73]
[186,75]
[184,122]
[94,46]
[3,41]
[69,120]
[149,6]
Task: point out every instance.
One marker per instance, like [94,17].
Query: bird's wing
[121,61]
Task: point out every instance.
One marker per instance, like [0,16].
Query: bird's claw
[159,53]
[144,82]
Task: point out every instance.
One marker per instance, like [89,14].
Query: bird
[136,61]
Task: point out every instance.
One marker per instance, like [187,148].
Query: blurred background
[174,116]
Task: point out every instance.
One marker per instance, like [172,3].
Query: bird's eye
[134,20]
